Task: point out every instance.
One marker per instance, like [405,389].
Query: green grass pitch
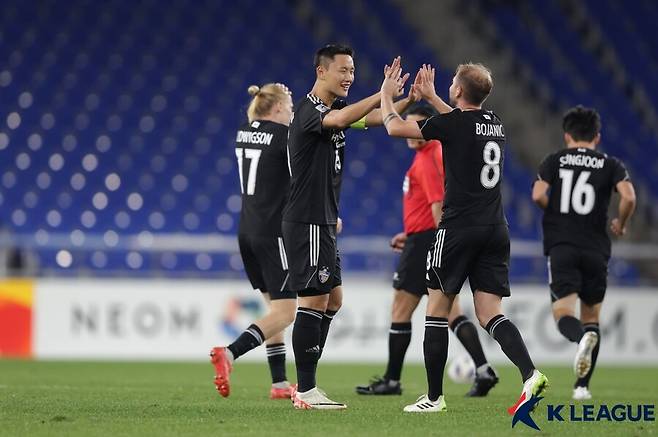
[173,399]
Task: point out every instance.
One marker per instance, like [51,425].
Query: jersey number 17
[254,156]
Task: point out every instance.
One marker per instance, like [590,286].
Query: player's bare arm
[540,193]
[627,202]
[375,117]
[343,118]
[394,124]
[425,86]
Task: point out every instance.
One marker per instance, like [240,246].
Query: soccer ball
[461,369]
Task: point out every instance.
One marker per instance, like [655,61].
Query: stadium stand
[117,125]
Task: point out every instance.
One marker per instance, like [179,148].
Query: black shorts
[265,263]
[575,270]
[313,259]
[479,253]
[410,273]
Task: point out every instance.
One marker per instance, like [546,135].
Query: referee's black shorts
[577,270]
[410,272]
[265,263]
[313,259]
[479,253]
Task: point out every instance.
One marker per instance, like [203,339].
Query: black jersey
[315,159]
[264,180]
[473,147]
[581,183]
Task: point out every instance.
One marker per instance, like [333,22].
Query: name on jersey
[338,138]
[582,161]
[254,137]
[489,130]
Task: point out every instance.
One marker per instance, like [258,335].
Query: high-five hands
[424,82]
[393,84]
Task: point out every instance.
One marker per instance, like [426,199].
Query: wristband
[359,124]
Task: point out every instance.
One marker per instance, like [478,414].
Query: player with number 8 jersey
[472,239]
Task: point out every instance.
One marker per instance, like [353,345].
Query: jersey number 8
[490,174]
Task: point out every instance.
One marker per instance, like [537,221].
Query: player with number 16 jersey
[573,187]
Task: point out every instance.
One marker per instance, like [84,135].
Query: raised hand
[393,84]
[424,82]
[414,94]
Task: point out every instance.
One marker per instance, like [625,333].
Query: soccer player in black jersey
[423,192]
[316,148]
[261,154]
[581,180]
[472,240]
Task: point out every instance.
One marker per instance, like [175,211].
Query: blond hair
[264,99]
[476,82]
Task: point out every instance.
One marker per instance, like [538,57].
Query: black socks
[251,338]
[276,358]
[505,333]
[399,337]
[571,328]
[306,334]
[467,334]
[435,349]
[327,318]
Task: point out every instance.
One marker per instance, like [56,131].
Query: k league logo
[585,413]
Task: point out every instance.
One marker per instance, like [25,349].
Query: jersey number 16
[582,197]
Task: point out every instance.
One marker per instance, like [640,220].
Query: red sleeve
[431,174]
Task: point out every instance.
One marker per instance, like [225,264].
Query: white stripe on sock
[459,325]
[495,325]
[256,335]
[310,313]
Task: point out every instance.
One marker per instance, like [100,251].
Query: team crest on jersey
[323,274]
[322,108]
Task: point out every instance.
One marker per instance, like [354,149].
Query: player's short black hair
[421,109]
[583,124]
[328,52]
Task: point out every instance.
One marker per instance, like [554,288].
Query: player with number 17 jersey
[261,153]
[473,226]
